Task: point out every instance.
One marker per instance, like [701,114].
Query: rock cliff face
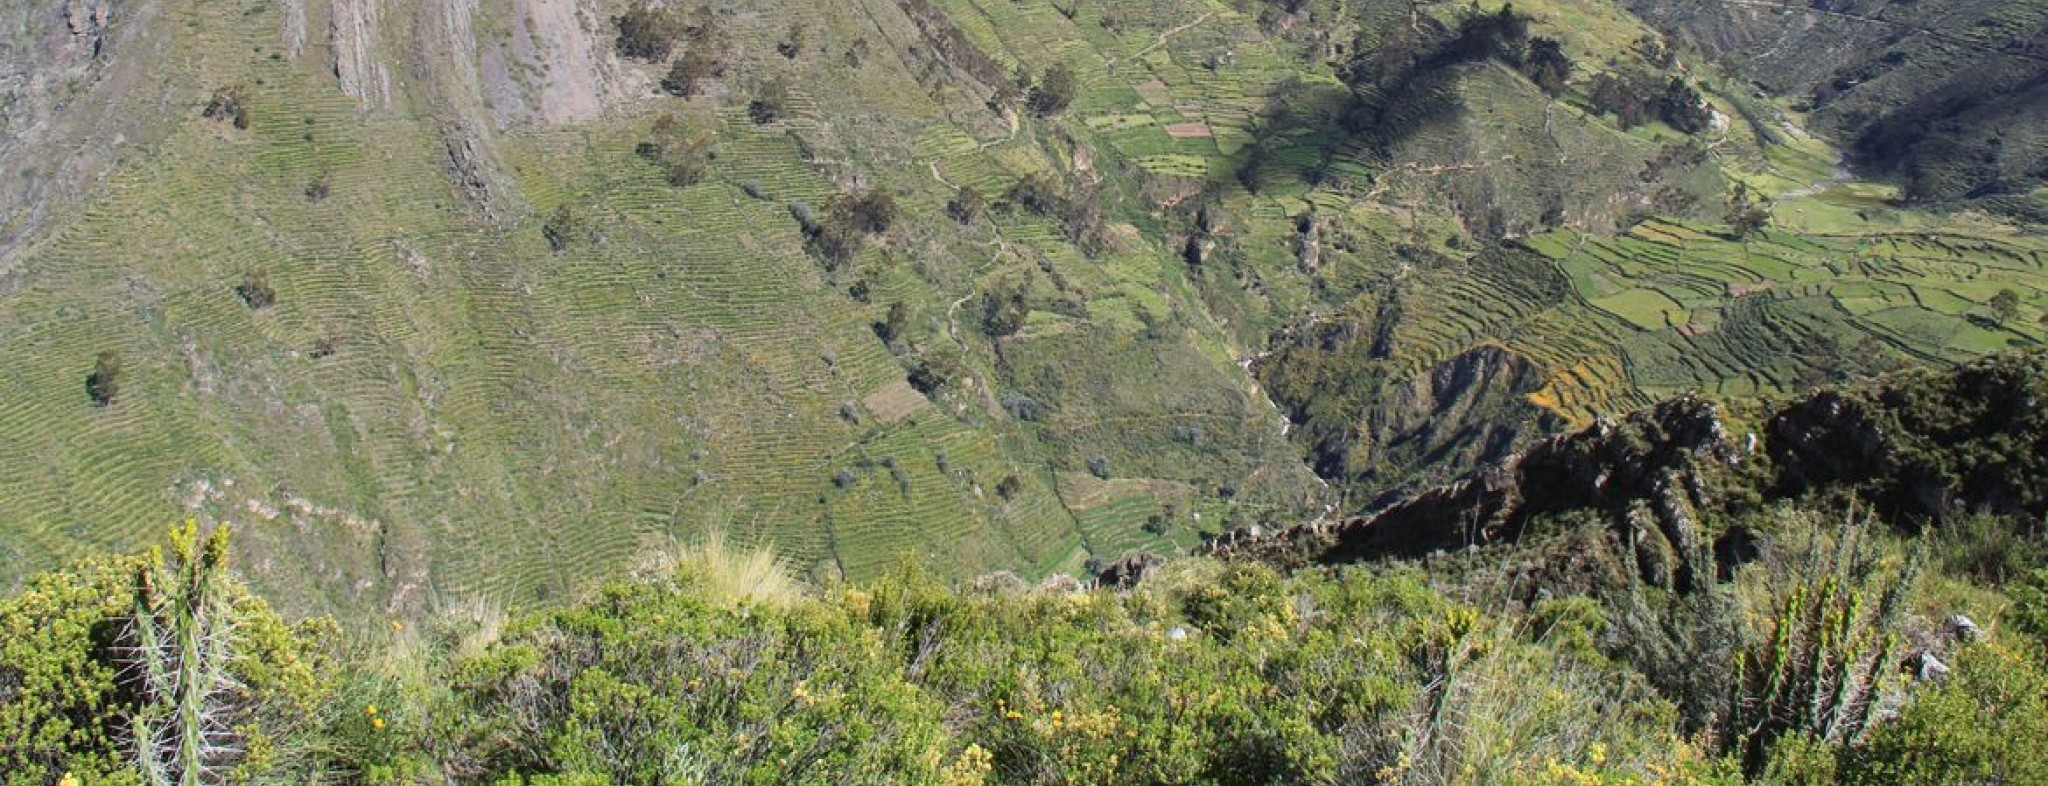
[1448,414]
[1647,474]
[1926,444]
[1467,412]
[1362,423]
[1918,445]
[74,91]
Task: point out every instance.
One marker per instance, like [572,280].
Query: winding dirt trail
[1169,33]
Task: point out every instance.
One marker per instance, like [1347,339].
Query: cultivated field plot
[1738,317]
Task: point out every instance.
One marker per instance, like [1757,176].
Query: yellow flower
[370,710]
[68,780]
[971,769]
[376,723]
[397,626]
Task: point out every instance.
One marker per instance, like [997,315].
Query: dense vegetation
[1837,659]
[1778,629]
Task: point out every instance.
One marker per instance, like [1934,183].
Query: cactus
[179,643]
[1819,670]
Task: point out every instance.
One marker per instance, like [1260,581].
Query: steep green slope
[406,290]
[438,406]
[1947,97]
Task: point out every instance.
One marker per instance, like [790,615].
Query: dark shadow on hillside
[1295,135]
[1971,138]
[1398,86]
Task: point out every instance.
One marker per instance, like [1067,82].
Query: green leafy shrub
[715,665]
[147,670]
[103,385]
[647,33]
[1984,724]
[654,682]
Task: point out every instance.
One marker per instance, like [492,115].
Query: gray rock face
[1465,413]
[1964,629]
[1928,668]
[1127,572]
[75,87]
[1641,472]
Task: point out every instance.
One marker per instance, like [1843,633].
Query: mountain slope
[1948,97]
[454,301]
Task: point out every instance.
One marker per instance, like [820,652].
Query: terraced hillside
[438,406]
[403,291]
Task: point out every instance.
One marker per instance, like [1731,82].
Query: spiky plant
[179,644]
[1830,645]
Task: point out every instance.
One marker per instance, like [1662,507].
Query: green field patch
[945,141]
[1647,309]
[1042,324]
[1556,245]
[1939,299]
[1182,165]
[1120,122]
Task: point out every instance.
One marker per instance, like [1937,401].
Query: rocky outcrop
[1127,572]
[1645,474]
[352,52]
[1926,444]
[1917,445]
[1466,412]
[76,91]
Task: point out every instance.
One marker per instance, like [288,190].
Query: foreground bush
[716,666]
[152,670]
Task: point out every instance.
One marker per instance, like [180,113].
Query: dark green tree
[565,227]
[255,290]
[966,205]
[1054,91]
[1681,107]
[684,75]
[683,155]
[647,33]
[2005,305]
[771,103]
[1034,192]
[793,44]
[1547,65]
[893,323]
[1003,310]
[1746,216]
[1622,96]
[103,385]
